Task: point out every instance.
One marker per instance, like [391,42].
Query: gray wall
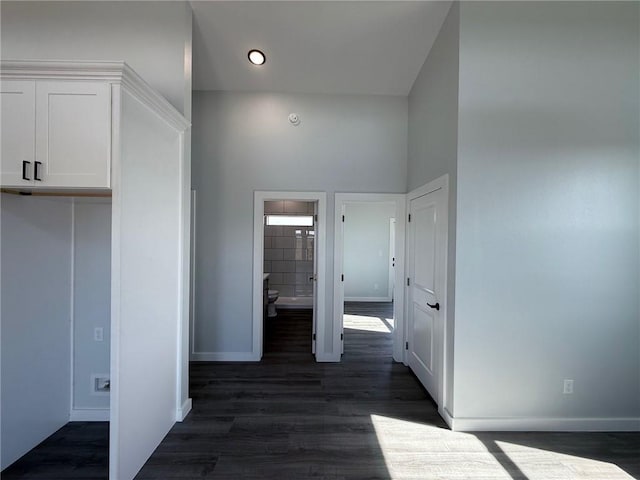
[433,144]
[366,250]
[154,38]
[548,210]
[244,142]
[91,298]
[36,313]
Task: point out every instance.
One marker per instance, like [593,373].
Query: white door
[17,127]
[73,143]
[427,246]
[314,278]
[392,257]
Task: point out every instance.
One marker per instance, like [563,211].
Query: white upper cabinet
[55,134]
[73,134]
[17,130]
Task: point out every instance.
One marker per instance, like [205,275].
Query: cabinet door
[73,134]
[17,127]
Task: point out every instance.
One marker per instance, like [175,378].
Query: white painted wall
[548,211]
[91,298]
[154,38]
[366,251]
[36,311]
[433,145]
[146,251]
[244,142]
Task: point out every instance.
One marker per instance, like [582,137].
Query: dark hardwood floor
[364,418]
[79,450]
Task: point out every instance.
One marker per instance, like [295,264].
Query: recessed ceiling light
[256,57]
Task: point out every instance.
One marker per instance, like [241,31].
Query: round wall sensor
[294,119]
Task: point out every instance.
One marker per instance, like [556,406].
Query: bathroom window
[290,220]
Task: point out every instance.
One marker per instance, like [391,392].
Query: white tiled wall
[288,251]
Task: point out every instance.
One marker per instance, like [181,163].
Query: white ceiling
[335,47]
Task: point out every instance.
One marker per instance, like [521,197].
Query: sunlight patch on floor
[419,450]
[372,324]
[528,460]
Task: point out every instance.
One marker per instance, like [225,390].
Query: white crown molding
[111,72]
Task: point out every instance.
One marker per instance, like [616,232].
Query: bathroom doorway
[368,264]
[289,290]
[290,274]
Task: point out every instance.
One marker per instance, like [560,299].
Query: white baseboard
[367,299]
[327,358]
[224,357]
[183,411]
[89,415]
[524,424]
[444,413]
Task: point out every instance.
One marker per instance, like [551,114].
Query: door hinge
[406,345]
[409,218]
[342,277]
[408,282]
[342,336]
[315,217]
[343,218]
[314,337]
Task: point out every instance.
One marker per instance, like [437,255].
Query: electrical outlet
[98,334]
[568,386]
[100,384]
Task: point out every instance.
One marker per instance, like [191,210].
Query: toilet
[271,306]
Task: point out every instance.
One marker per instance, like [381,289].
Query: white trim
[513,424]
[184,410]
[391,259]
[259,197]
[341,199]
[192,311]
[89,415]
[72,313]
[437,184]
[328,357]
[184,282]
[367,299]
[446,415]
[114,352]
[224,357]
[110,72]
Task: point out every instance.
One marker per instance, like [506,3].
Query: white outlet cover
[98,334]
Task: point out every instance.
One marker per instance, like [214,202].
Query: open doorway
[289,276]
[368,265]
[288,272]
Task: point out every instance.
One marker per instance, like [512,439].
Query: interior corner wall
[36,314]
[433,147]
[243,142]
[152,37]
[548,211]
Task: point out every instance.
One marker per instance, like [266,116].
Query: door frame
[259,197]
[392,259]
[341,200]
[440,183]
